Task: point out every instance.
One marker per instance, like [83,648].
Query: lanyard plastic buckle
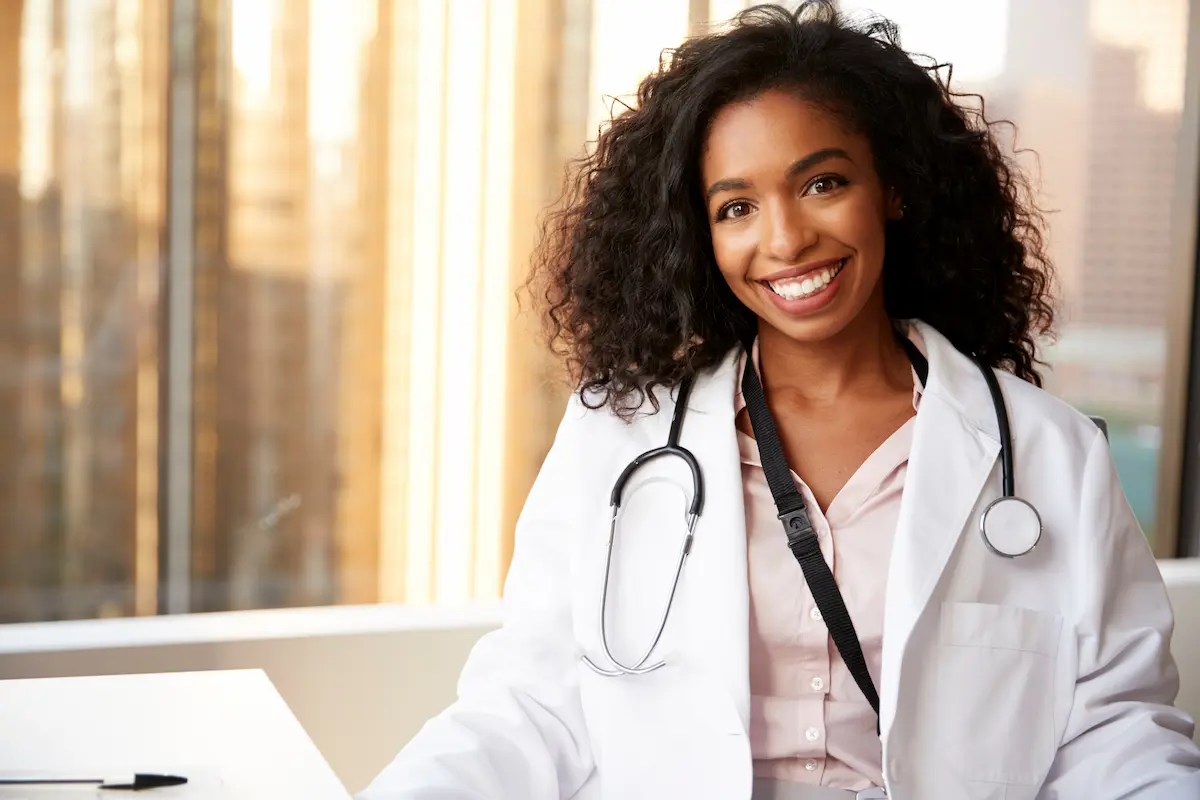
[797,525]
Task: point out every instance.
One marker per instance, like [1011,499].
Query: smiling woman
[827,262]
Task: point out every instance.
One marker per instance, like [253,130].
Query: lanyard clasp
[797,526]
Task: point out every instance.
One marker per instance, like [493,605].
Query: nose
[788,232]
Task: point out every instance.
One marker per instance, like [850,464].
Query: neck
[863,358]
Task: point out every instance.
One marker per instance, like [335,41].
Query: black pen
[134,783]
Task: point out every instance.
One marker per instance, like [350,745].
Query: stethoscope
[1010,526]
[672,448]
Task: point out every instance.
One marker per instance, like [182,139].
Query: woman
[796,211]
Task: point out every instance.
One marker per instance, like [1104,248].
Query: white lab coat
[1046,676]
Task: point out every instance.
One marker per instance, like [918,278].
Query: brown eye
[734,210]
[825,184]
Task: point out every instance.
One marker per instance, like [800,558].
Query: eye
[734,210]
[825,184]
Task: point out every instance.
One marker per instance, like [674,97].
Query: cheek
[863,226]
[733,252]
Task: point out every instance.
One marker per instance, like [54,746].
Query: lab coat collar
[957,380]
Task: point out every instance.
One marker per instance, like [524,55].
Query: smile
[807,285]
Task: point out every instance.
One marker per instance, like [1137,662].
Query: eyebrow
[804,164]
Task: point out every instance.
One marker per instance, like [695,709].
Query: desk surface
[228,723]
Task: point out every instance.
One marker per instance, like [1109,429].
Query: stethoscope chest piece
[1010,527]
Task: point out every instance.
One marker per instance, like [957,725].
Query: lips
[806,291]
[803,269]
[808,283]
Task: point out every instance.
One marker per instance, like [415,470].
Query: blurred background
[259,346]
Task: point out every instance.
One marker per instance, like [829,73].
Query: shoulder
[1040,422]
[1064,459]
[1065,467]
[1035,411]
[710,398]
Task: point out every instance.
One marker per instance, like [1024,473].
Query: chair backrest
[1101,424]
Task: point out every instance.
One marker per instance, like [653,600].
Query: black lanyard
[802,539]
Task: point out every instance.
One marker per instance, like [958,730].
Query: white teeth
[794,288]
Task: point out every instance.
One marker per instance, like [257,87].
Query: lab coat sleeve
[517,728]
[1124,738]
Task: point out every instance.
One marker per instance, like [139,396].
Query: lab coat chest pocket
[996,685]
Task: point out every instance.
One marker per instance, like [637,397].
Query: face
[797,215]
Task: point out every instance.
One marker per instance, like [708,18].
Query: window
[259,346]
[258,341]
[81,214]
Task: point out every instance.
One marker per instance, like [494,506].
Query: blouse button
[812,734]
[815,614]
[817,684]
[811,765]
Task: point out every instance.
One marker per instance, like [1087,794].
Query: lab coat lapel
[715,592]
[954,450]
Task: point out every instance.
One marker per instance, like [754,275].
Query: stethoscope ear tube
[672,448]
[640,667]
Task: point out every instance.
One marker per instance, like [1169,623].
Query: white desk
[230,728]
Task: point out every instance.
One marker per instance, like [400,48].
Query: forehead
[773,128]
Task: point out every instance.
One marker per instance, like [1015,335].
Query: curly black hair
[632,293]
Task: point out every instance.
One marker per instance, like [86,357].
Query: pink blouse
[809,722]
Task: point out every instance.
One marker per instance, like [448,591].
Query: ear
[895,205]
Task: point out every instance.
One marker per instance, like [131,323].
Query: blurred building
[289,308]
[80,222]
[1105,164]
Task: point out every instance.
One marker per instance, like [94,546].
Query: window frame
[1178,505]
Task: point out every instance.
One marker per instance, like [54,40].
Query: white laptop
[229,733]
